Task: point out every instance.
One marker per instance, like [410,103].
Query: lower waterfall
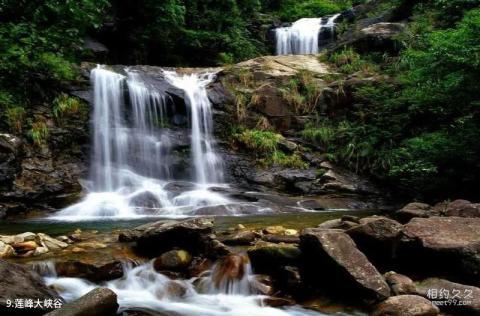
[131,165]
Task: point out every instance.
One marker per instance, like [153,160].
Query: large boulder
[98,302]
[446,245]
[18,282]
[406,305]
[100,270]
[173,260]
[378,237]
[463,298]
[400,284]
[332,260]
[377,37]
[415,209]
[462,208]
[194,235]
[268,258]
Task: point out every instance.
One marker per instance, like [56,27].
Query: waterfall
[131,152]
[302,37]
[208,167]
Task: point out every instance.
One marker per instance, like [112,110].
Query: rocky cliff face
[50,176]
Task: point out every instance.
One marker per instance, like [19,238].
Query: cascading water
[207,165]
[142,288]
[130,165]
[302,37]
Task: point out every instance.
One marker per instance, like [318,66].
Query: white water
[208,166]
[143,288]
[130,164]
[302,37]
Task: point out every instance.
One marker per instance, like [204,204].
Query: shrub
[65,105]
[39,133]
[15,117]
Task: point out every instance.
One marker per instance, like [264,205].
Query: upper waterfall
[302,37]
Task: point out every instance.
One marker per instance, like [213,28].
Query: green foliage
[302,92]
[39,133]
[291,10]
[65,105]
[418,131]
[15,117]
[265,145]
[262,142]
[348,61]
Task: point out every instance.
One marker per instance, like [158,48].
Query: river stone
[378,237]
[193,235]
[25,246]
[102,270]
[50,242]
[281,239]
[6,251]
[462,208]
[406,305]
[448,245]
[172,260]
[440,285]
[268,257]
[28,236]
[97,302]
[241,238]
[400,284]
[413,210]
[274,230]
[337,223]
[18,282]
[343,265]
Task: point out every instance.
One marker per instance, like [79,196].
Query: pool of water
[296,220]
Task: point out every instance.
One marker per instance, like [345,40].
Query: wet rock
[406,305]
[175,289]
[262,284]
[415,209]
[312,205]
[198,266]
[102,270]
[378,237]
[193,235]
[291,232]
[228,209]
[146,200]
[229,269]
[25,246]
[40,251]
[267,257]
[273,301]
[440,290]
[462,208]
[241,238]
[98,302]
[447,245]
[172,260]
[6,251]
[343,265]
[51,243]
[274,230]
[338,223]
[18,282]
[28,236]
[281,239]
[399,284]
